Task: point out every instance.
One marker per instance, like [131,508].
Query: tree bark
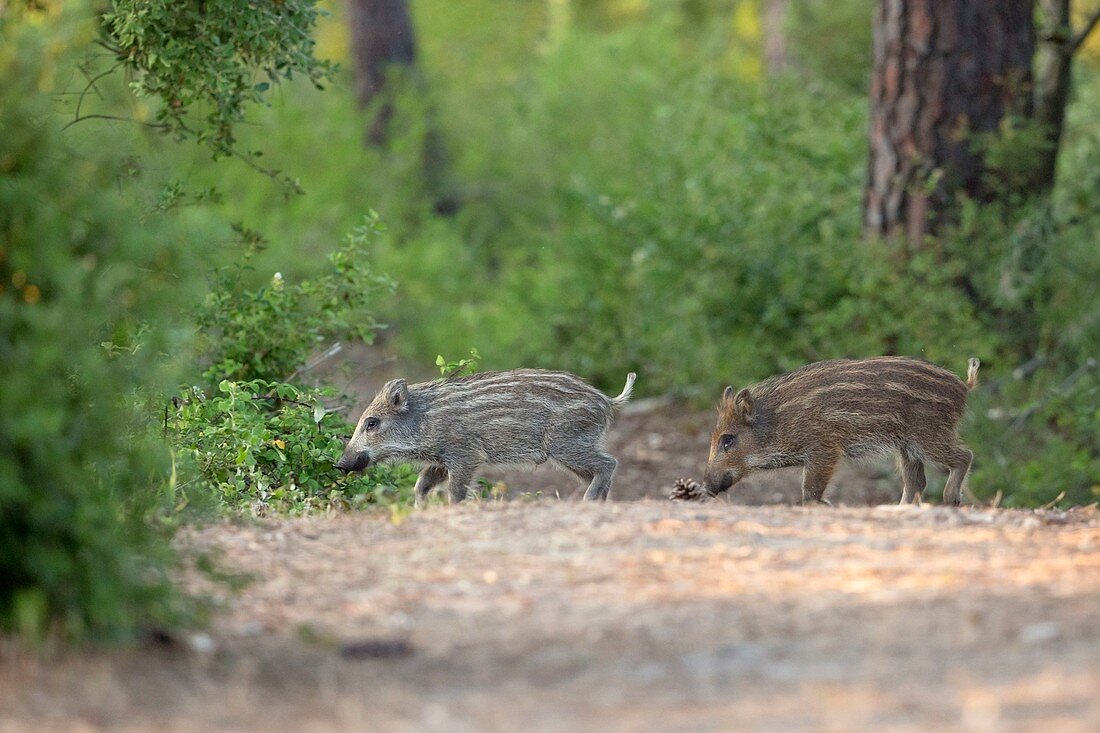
[776,58]
[1055,47]
[381,38]
[943,71]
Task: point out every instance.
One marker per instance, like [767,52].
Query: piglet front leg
[819,467]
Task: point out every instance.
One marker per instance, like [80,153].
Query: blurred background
[676,187]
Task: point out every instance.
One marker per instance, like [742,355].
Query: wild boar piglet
[452,426]
[846,407]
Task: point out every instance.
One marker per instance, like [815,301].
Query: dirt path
[548,616]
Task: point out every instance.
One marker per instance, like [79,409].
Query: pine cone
[687,489]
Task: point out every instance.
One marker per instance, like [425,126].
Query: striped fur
[525,416]
[845,408]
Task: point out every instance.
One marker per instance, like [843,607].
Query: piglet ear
[397,394]
[743,404]
[727,396]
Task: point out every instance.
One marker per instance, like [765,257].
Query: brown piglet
[856,408]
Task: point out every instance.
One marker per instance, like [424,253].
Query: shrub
[1040,439]
[667,217]
[253,435]
[87,297]
[269,447]
[270,332]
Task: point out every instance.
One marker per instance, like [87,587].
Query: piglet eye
[372,423]
[728,441]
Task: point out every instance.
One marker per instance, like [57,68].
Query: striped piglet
[855,408]
[452,426]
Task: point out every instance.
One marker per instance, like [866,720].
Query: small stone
[1038,633]
[201,643]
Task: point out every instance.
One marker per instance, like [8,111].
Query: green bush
[266,447]
[270,332]
[1031,273]
[95,285]
[1040,438]
[830,41]
[253,435]
[87,297]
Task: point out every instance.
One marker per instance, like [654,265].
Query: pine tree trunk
[1056,45]
[943,70]
[381,38]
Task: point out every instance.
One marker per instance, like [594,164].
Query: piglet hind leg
[583,455]
[597,469]
[816,475]
[956,459]
[913,479]
[600,487]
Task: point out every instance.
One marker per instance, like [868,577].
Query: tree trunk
[943,71]
[1055,47]
[1053,64]
[776,59]
[381,38]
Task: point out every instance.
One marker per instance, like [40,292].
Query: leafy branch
[206,61]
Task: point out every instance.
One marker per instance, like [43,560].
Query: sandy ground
[649,615]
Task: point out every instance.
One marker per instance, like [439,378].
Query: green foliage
[1032,272]
[712,236]
[219,56]
[459,368]
[269,447]
[254,437]
[830,41]
[86,308]
[269,333]
[1041,438]
[1011,153]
